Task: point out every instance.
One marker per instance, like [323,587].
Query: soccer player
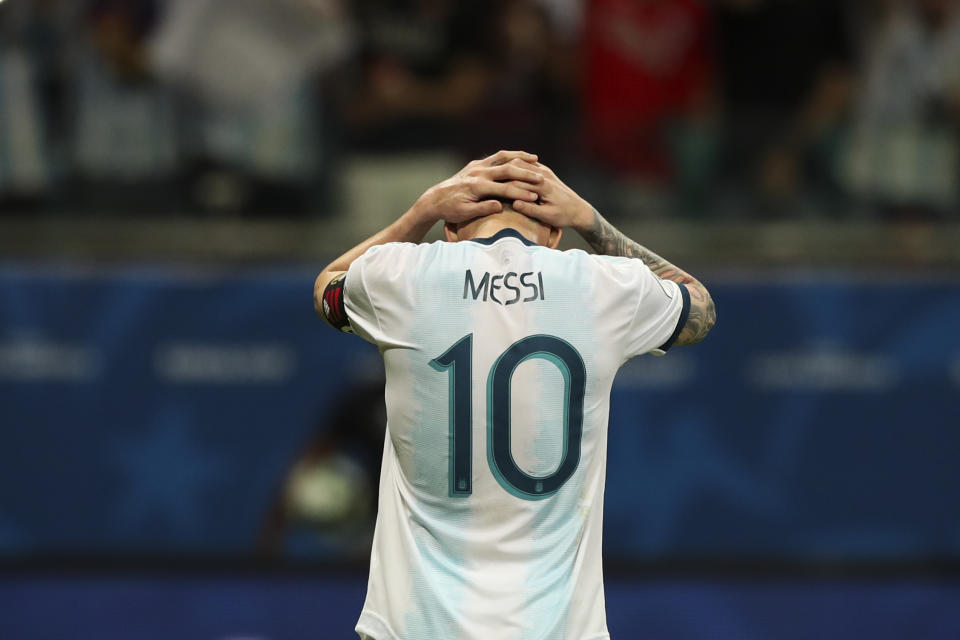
[500,353]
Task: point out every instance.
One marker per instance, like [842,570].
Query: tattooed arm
[606,239]
[560,206]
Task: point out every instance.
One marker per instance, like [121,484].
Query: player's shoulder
[388,249]
[392,255]
[396,261]
[422,250]
[612,265]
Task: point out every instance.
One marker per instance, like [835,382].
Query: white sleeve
[375,290]
[359,307]
[659,309]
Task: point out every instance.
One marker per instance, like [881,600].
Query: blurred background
[186,451]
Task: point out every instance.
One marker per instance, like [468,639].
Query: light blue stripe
[438,582]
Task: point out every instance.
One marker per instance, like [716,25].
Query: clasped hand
[480,188]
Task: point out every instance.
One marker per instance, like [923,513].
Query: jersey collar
[504,233]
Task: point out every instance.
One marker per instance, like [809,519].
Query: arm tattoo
[608,240]
[703,315]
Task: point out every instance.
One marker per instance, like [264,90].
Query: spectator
[255,136]
[530,101]
[327,502]
[124,133]
[424,68]
[646,77]
[903,152]
[785,83]
[29,88]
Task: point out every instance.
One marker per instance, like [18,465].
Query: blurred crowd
[726,108]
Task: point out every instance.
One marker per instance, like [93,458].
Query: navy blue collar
[504,233]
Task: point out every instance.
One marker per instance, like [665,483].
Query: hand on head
[557,205]
[477,189]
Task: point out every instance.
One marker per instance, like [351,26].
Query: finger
[521,170]
[483,208]
[536,167]
[545,169]
[539,189]
[509,191]
[503,157]
[543,212]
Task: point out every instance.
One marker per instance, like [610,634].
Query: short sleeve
[660,311]
[360,310]
[375,289]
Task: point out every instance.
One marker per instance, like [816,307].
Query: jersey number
[457,361]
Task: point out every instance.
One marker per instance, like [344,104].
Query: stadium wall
[154,412]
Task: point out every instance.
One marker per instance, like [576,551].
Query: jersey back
[500,356]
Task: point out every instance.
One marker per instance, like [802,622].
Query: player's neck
[491,225]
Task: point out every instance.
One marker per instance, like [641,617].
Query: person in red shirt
[646,66]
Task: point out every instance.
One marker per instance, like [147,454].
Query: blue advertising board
[157,411]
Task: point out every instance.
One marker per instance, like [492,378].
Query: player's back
[500,356]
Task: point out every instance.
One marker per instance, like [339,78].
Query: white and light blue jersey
[500,356]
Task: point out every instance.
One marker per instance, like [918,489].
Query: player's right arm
[560,206]
[472,192]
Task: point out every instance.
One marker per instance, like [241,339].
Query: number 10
[458,362]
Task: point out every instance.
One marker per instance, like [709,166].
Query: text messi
[524,287]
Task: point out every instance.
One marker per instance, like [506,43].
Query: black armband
[334,311]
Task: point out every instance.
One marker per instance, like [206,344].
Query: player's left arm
[608,240]
[561,206]
[466,195]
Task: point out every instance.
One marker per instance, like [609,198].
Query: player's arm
[608,240]
[561,206]
[328,293]
[466,195]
